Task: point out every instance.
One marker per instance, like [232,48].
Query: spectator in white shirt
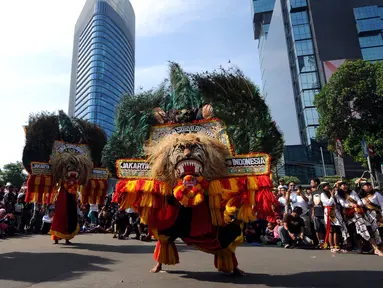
[296,198]
[47,222]
[282,201]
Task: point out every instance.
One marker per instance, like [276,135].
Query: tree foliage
[235,100]
[350,106]
[14,173]
[286,178]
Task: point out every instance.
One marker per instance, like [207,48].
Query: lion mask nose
[187,152]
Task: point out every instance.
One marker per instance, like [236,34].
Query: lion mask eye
[181,147]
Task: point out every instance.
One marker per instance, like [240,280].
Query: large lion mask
[176,155]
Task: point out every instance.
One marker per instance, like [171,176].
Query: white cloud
[155,17]
[30,27]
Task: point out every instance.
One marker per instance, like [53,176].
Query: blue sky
[36,56]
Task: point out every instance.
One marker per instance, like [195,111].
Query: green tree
[350,107]
[14,173]
[286,178]
[234,98]
[1,178]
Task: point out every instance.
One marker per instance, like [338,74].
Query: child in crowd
[269,237]
[250,234]
[276,232]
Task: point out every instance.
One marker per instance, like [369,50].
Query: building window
[307,97]
[367,25]
[298,3]
[311,116]
[298,18]
[375,53]
[371,41]
[306,63]
[309,81]
[263,5]
[311,132]
[301,32]
[381,12]
[366,12]
[304,47]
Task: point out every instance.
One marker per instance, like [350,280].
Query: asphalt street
[97,260]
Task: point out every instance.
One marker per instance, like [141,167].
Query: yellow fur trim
[252,183]
[225,261]
[147,200]
[167,254]
[238,241]
[131,186]
[65,236]
[229,211]
[198,199]
[149,186]
[144,215]
[246,213]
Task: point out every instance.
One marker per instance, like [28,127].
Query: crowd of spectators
[19,217]
[301,219]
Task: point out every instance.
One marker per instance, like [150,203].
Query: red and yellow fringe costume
[216,224]
[65,224]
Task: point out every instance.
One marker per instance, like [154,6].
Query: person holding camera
[296,198]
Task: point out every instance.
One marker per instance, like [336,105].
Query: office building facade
[300,44]
[103,61]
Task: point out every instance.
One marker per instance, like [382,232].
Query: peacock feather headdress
[225,94]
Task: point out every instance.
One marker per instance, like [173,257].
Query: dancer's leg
[165,253]
[55,239]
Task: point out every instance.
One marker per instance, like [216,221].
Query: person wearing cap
[355,218]
[10,197]
[293,228]
[296,198]
[335,226]
[373,202]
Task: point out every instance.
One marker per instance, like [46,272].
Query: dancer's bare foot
[157,268]
[238,272]
[67,242]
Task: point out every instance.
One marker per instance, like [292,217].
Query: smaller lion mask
[71,166]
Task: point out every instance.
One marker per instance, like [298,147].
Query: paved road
[100,261]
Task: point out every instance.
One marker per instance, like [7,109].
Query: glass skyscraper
[300,44]
[369,23]
[103,61]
